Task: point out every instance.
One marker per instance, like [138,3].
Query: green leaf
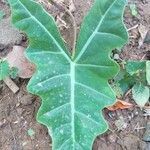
[133,9]
[140,94]
[1,14]
[134,67]
[31,132]
[121,75]
[117,90]
[13,72]
[74,89]
[4,69]
[124,81]
[148,72]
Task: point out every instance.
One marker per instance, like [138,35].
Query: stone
[8,34]
[27,99]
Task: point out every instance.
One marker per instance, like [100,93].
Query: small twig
[61,7]
[139,128]
[14,88]
[143,57]
[134,27]
[128,92]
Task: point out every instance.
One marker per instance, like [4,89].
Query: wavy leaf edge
[72,70]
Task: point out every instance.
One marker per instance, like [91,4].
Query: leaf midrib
[72,76]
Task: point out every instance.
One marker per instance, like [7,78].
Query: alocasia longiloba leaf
[148,72]
[74,88]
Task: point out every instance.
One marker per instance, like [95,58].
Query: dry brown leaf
[16,58]
[120,105]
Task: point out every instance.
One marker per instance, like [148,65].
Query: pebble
[9,35]
[27,99]
[19,111]
[112,138]
[2,123]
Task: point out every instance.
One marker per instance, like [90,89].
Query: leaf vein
[55,110]
[52,78]
[111,34]
[64,143]
[90,65]
[85,116]
[94,33]
[43,27]
[45,52]
[91,89]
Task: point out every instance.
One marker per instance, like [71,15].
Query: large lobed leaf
[4,69]
[148,72]
[74,89]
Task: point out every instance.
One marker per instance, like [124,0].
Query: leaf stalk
[63,8]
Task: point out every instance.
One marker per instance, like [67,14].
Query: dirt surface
[18,111]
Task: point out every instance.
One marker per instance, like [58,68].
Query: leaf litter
[25,68]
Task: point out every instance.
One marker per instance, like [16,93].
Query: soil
[18,111]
